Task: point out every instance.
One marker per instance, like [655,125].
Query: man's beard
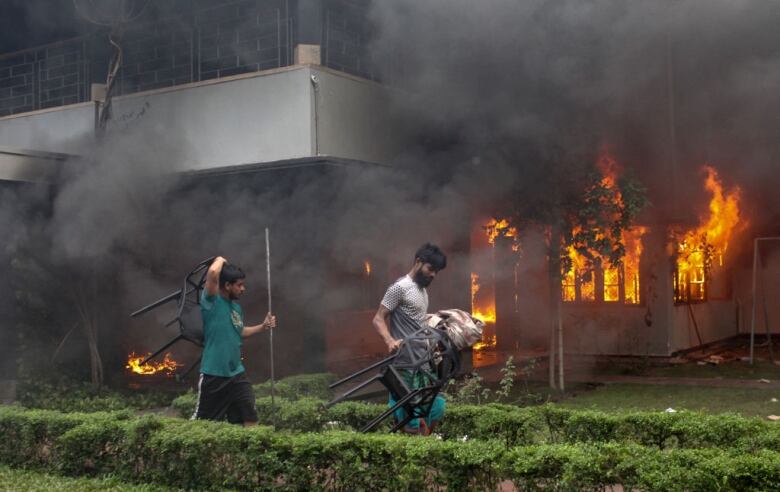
[421,279]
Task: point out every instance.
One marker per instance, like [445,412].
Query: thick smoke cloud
[510,100]
[537,75]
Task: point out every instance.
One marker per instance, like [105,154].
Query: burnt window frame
[599,289]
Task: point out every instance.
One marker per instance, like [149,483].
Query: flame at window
[698,248]
[483,300]
[500,228]
[619,282]
[487,313]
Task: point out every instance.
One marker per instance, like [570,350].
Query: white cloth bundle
[463,330]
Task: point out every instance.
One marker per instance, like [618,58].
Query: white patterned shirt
[406,295]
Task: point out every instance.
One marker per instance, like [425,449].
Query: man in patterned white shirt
[408,297]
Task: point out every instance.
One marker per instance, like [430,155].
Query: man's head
[231,281]
[428,261]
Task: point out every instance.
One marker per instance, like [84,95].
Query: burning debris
[187,317]
[166,366]
[702,249]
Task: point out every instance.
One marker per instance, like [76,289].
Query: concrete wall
[767,291]
[241,121]
[27,167]
[716,320]
[49,130]
[613,328]
[247,119]
[658,326]
[354,119]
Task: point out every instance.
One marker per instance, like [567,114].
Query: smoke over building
[359,130]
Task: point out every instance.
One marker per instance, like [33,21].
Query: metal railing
[169,52]
[225,38]
[53,75]
[345,40]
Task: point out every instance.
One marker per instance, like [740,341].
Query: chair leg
[390,411]
[161,349]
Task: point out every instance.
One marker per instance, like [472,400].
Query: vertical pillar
[507,334]
[309,17]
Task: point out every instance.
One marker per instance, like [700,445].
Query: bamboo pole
[270,332]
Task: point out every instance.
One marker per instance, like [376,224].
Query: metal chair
[187,312]
[436,365]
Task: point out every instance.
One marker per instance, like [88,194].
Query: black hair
[230,274]
[430,253]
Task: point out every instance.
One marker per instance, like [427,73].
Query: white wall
[716,320]
[248,119]
[354,119]
[49,130]
[17,166]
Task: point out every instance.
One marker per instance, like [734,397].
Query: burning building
[293,115]
[669,290]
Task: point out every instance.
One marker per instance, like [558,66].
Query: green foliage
[71,396]
[534,425]
[299,386]
[508,373]
[470,389]
[598,220]
[301,415]
[31,481]
[209,455]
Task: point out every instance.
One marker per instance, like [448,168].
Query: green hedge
[299,386]
[595,466]
[31,481]
[72,396]
[545,424]
[209,455]
[302,415]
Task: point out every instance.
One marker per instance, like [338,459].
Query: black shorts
[220,397]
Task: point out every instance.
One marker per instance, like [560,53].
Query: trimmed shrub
[299,386]
[71,396]
[210,455]
[533,425]
[512,425]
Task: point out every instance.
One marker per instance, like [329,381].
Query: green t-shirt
[223,322]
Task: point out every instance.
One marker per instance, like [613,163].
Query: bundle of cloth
[461,327]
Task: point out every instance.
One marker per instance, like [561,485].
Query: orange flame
[367,268]
[633,242]
[582,269]
[487,342]
[483,307]
[485,314]
[167,365]
[710,241]
[500,228]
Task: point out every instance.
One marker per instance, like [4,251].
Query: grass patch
[762,369]
[749,402]
[32,481]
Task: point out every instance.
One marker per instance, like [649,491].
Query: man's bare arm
[268,324]
[380,322]
[212,276]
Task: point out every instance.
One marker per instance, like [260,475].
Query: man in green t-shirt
[223,388]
